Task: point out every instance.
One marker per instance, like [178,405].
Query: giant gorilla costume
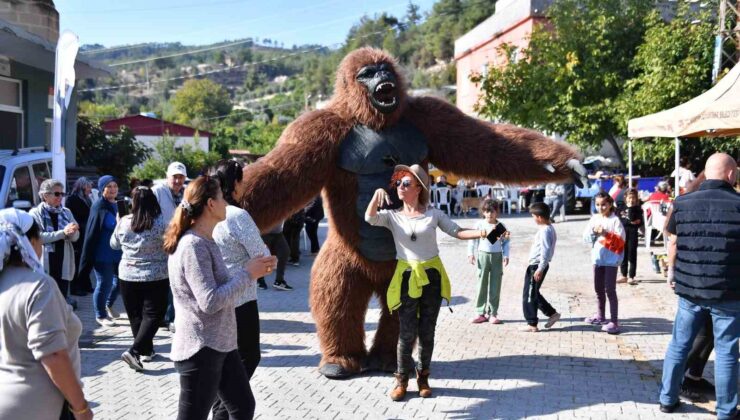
[349,149]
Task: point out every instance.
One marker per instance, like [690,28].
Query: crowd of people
[192,257]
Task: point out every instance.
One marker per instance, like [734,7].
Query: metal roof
[30,49]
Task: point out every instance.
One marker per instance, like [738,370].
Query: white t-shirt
[422,228]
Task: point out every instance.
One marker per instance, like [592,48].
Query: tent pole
[629,153]
[677,188]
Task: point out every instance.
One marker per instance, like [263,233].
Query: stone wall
[39,17]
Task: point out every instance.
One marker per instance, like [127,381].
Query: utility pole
[727,41]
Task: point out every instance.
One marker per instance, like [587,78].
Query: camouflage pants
[418,317]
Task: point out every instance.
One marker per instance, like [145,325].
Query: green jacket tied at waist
[417,280]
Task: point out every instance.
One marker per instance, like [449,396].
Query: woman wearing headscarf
[79,202]
[97,254]
[40,358]
[59,230]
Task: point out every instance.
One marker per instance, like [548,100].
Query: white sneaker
[105,322]
[147,357]
[112,313]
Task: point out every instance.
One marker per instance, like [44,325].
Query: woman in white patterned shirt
[239,239]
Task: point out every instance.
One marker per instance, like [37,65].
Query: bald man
[704,259]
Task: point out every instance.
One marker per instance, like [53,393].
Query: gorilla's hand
[580,176]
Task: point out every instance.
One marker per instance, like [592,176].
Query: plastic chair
[512,197]
[458,193]
[484,191]
[653,220]
[444,196]
[433,195]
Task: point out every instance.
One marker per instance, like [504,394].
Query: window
[41,172]
[20,186]
[11,114]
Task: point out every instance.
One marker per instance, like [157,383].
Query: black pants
[418,317]
[146,303]
[63,286]
[532,299]
[292,233]
[630,253]
[248,339]
[701,349]
[278,247]
[80,284]
[312,230]
[209,374]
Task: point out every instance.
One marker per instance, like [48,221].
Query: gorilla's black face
[382,86]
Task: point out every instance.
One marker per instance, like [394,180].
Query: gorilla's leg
[382,355]
[341,288]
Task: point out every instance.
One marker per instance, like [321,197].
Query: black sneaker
[282,285]
[261,284]
[669,408]
[690,393]
[132,360]
[295,263]
[148,357]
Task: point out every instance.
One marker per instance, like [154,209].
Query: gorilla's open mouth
[384,96]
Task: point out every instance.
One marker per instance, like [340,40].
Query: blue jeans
[690,316]
[106,287]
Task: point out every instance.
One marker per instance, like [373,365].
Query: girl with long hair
[142,273]
[205,293]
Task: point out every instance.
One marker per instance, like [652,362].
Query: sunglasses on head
[57,194]
[406,183]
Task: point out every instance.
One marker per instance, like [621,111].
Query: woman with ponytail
[204,347]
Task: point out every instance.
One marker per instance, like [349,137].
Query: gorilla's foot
[380,362]
[339,367]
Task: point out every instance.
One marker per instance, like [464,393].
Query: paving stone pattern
[481,371]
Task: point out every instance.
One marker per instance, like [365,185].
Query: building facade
[149,131]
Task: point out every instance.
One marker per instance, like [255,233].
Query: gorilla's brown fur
[305,162]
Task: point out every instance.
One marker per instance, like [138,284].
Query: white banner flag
[64,83]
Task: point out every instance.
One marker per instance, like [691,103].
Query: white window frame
[17,109]
[49,121]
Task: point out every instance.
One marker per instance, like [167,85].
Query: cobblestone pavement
[478,371]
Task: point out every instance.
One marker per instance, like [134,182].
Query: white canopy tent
[714,113]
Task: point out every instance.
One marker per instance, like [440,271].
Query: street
[479,371]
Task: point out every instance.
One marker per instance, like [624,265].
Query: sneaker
[622,280]
[700,385]
[479,319]
[132,360]
[595,320]
[530,328]
[295,263]
[282,285]
[261,284]
[148,357]
[552,320]
[112,313]
[495,320]
[611,328]
[171,327]
[669,408]
[105,322]
[632,281]
[690,393]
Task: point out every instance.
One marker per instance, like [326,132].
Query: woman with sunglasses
[420,282]
[239,240]
[58,230]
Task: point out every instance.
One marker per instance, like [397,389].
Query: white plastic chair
[655,221]
[483,191]
[512,197]
[444,196]
[458,193]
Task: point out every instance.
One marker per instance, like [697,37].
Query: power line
[241,67]
[240,23]
[152,9]
[231,44]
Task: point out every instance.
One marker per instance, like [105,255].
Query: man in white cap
[169,194]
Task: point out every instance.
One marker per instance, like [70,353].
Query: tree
[114,154]
[165,152]
[199,100]
[570,76]
[673,65]
[100,111]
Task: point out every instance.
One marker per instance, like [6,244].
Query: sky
[192,22]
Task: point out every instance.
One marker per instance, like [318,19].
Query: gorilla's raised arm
[295,171]
[473,148]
